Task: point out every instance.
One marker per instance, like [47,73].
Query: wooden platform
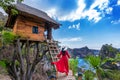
[62,76]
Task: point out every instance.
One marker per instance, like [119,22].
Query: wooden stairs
[53,50]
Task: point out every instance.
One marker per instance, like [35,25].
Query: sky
[89,23]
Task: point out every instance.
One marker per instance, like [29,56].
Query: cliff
[82,52]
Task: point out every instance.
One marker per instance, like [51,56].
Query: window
[35,30]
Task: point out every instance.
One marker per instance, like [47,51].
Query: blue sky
[89,23]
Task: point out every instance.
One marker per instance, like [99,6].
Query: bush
[73,63]
[8,37]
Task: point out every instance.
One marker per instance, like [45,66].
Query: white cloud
[118,3]
[76,14]
[52,13]
[70,42]
[115,22]
[79,13]
[101,4]
[75,26]
[109,10]
[75,39]
[92,14]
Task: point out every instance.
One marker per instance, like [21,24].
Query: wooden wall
[23,27]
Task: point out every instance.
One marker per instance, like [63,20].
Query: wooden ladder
[53,50]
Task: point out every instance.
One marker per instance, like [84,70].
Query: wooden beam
[49,32]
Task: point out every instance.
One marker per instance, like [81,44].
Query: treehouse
[31,23]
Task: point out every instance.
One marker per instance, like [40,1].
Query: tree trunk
[98,75]
[24,59]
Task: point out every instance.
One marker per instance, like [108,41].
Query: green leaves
[5,4]
[14,11]
[94,61]
[1,28]
[8,37]
[73,63]
[89,75]
[113,74]
[117,58]
[3,63]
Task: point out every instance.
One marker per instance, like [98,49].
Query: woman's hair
[63,51]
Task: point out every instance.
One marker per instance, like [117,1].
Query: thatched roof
[30,11]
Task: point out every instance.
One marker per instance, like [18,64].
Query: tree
[22,58]
[5,3]
[96,62]
[113,74]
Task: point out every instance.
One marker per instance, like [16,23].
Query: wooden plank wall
[23,28]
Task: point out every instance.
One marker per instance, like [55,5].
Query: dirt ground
[4,77]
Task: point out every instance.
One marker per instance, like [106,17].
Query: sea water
[83,64]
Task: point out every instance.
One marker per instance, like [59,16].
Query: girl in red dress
[62,65]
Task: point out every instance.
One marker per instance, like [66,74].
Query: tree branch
[37,58]
[21,60]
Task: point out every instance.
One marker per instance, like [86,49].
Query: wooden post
[49,31]
[49,34]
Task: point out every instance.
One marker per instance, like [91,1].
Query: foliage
[3,20]
[3,63]
[73,63]
[0,43]
[8,37]
[113,74]
[1,25]
[117,57]
[14,11]
[5,3]
[89,75]
[95,62]
[1,28]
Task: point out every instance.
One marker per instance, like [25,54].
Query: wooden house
[31,23]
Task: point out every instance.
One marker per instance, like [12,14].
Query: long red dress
[62,64]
